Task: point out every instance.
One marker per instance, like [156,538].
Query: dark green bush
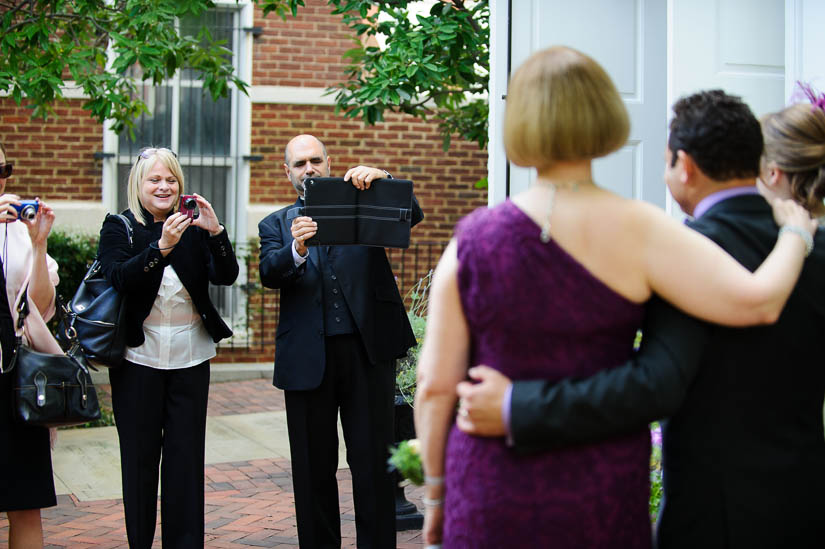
[74,253]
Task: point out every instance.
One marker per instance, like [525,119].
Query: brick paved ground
[248,504]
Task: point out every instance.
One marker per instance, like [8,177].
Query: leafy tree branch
[102,45]
[432,65]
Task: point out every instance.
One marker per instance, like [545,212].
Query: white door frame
[804,60]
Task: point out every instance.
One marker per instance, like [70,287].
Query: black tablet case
[378,216]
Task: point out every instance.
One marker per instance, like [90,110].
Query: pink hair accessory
[816,99]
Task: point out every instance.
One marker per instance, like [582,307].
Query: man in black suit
[342,326]
[744,448]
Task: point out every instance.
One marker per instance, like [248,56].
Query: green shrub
[407,367]
[74,253]
[656,490]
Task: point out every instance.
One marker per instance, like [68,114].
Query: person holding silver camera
[26,482]
[159,394]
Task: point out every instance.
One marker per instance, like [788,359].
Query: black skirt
[26,480]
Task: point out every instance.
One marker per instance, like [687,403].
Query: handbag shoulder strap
[128,225]
[22,306]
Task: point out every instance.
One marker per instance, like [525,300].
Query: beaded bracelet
[802,233]
[432,502]
[155,246]
[433,481]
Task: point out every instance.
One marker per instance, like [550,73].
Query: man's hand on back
[480,403]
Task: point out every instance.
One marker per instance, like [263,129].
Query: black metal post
[407,516]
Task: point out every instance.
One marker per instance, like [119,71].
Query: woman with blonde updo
[793,165]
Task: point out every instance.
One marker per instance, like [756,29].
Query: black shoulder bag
[95,318]
[50,390]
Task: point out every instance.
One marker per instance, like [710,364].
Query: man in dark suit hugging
[342,325]
[743,450]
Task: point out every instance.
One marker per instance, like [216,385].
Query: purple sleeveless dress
[536,312]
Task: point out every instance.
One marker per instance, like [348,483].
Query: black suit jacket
[198,259]
[744,449]
[369,288]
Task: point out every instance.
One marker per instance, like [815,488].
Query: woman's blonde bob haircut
[562,106]
[145,162]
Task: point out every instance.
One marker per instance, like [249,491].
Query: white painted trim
[244,129]
[108,170]
[256,212]
[671,207]
[79,216]
[69,89]
[793,45]
[496,158]
[109,182]
[290,95]
[804,42]
[86,217]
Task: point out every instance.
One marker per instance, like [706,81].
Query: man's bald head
[305,156]
[303,139]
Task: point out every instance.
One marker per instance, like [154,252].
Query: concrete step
[221,372]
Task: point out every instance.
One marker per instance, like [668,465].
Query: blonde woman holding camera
[159,394]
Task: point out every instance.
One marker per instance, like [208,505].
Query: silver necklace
[545,226]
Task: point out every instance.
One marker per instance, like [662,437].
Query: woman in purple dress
[547,285]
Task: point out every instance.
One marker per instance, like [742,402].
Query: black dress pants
[161,424]
[364,394]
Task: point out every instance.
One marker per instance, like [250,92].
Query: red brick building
[232,151]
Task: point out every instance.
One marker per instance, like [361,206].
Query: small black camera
[26,210]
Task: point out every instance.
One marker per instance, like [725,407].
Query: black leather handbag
[378,216]
[51,390]
[95,318]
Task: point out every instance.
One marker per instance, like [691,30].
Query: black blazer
[369,288]
[744,449]
[198,259]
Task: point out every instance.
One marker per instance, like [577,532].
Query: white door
[629,39]
[735,45]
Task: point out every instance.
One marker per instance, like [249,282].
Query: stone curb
[221,372]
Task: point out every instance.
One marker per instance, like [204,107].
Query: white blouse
[175,334]
[17,260]
[18,255]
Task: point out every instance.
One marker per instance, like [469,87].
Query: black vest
[338,319]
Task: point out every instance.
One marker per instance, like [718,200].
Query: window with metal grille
[203,132]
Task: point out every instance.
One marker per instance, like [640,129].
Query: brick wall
[304,51]
[54,159]
[406,147]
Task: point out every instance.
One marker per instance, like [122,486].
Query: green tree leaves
[432,65]
[102,45]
